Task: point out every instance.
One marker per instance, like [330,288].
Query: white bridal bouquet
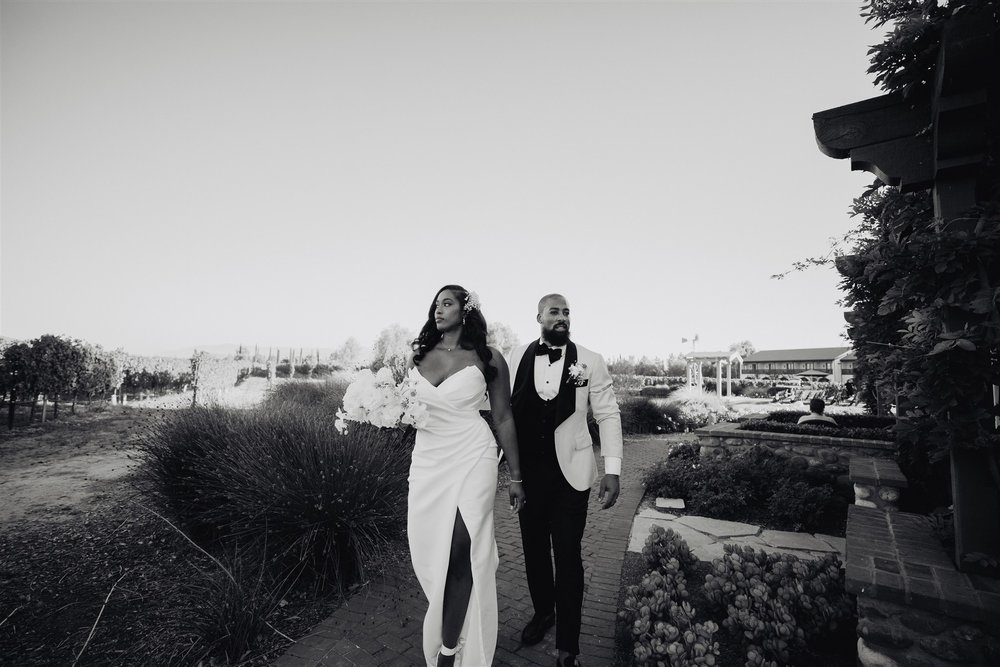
[377,399]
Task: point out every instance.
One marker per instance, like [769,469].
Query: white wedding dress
[454,469]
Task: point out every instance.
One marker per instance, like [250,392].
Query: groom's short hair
[547,297]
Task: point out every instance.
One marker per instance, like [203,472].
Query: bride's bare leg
[457,588]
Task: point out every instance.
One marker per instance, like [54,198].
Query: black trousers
[552,524]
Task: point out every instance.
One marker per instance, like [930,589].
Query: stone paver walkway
[381,624]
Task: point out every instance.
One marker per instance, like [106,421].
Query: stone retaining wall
[815,453]
[914,608]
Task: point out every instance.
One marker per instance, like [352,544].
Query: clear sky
[281,173]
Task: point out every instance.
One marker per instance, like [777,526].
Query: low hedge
[859,427]
[658,391]
[848,421]
[768,426]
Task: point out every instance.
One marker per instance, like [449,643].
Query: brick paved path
[381,624]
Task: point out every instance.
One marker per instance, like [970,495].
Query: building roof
[712,356]
[801,354]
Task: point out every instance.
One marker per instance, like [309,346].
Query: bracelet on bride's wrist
[517,481]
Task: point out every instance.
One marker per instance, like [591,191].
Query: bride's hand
[517,497]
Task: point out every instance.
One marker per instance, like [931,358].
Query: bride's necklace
[447,349]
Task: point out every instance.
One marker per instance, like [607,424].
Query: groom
[554,380]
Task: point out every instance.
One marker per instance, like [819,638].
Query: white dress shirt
[548,373]
[547,377]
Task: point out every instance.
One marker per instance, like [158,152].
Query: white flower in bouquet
[356,399]
[384,377]
[414,412]
[376,399]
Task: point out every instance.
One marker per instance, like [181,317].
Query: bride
[453,479]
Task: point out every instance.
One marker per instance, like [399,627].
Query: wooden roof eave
[888,136]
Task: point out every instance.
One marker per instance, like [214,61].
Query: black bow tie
[554,353]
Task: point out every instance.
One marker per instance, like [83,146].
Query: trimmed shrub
[658,391]
[739,386]
[642,415]
[831,431]
[755,486]
[753,391]
[843,420]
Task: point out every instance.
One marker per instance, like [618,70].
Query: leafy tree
[622,366]
[924,292]
[17,369]
[744,347]
[55,363]
[647,366]
[392,349]
[676,365]
[502,337]
[350,355]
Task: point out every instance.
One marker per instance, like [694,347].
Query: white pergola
[697,360]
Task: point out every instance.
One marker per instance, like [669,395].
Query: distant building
[836,362]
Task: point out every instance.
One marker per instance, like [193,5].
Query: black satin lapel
[566,400]
[525,378]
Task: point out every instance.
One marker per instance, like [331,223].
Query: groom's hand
[609,488]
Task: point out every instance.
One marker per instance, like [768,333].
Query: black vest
[536,419]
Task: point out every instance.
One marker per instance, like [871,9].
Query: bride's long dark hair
[473,336]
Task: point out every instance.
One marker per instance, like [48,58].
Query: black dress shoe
[534,631]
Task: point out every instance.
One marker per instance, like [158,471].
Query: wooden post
[718,376]
[961,127]
[888,136]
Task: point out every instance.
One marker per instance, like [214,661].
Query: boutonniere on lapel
[577,375]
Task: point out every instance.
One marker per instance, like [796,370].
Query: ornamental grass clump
[328,395]
[282,475]
[697,409]
[227,607]
[779,605]
[662,621]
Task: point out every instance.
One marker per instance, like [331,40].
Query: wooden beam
[872,121]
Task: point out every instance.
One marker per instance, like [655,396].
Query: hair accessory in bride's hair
[471,302]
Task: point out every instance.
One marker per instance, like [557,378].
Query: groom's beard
[556,337]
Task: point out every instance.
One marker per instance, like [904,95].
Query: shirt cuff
[612,465]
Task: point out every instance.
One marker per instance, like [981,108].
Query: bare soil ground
[87,576]
[55,471]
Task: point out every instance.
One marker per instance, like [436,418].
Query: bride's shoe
[451,656]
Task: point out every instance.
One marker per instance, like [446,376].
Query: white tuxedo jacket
[591,386]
